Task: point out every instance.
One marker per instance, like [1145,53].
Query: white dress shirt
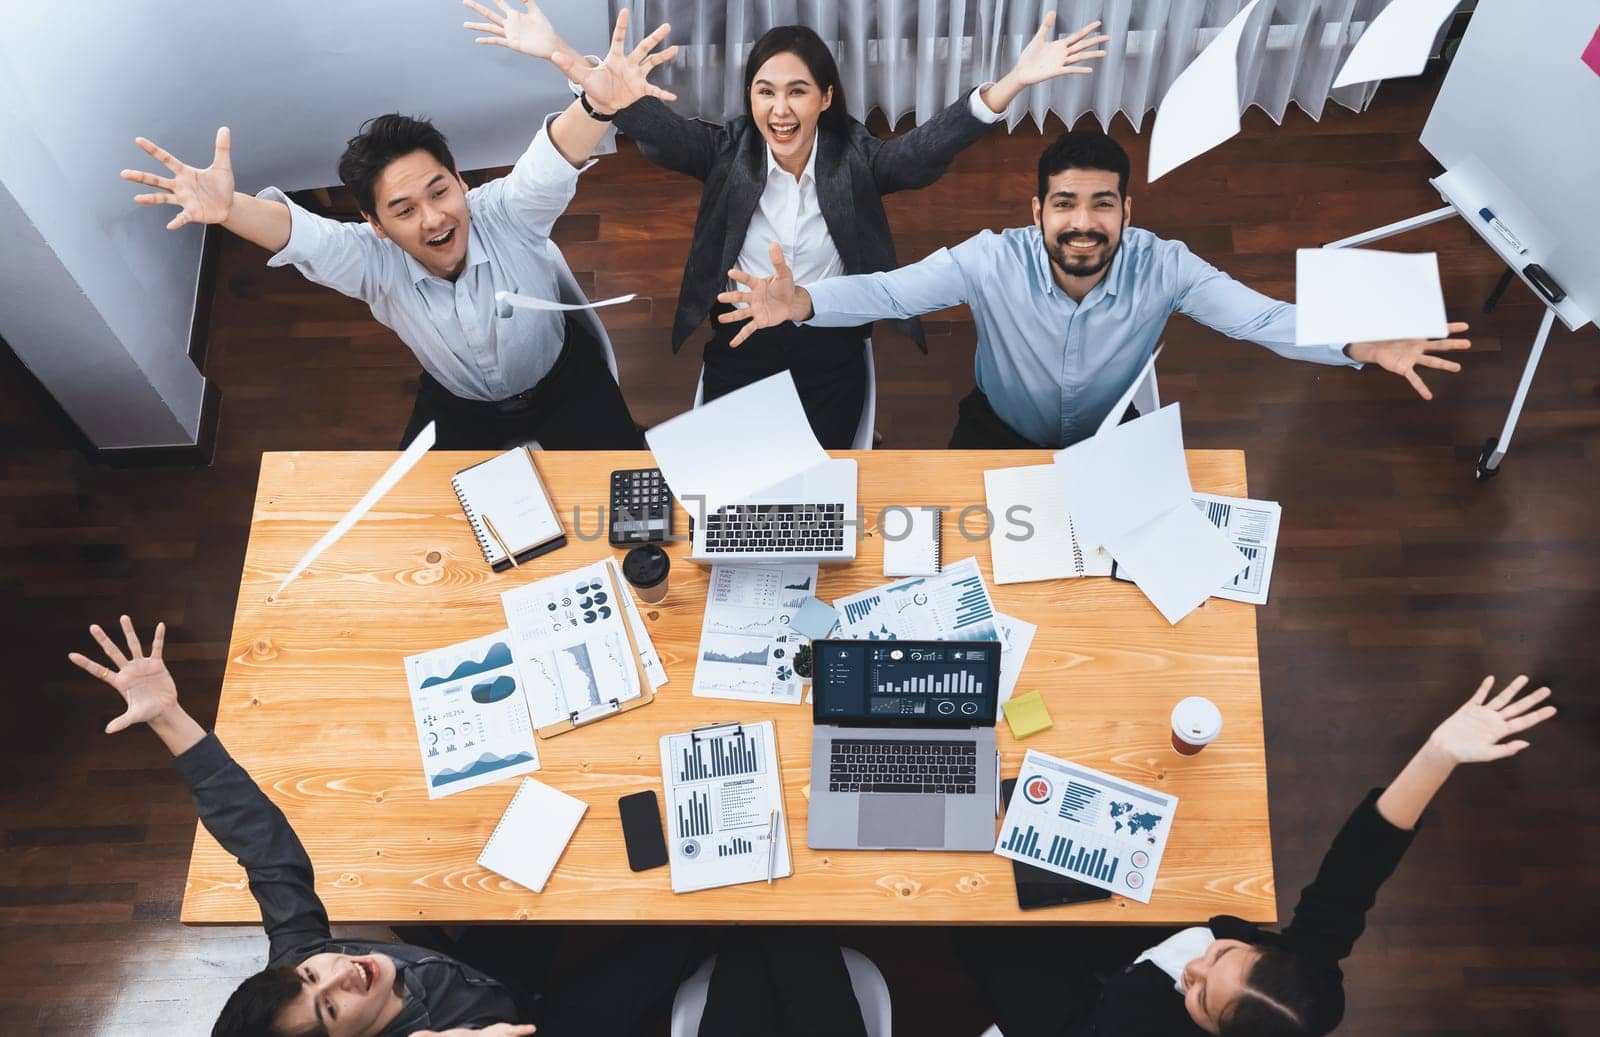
[453,326]
[789,214]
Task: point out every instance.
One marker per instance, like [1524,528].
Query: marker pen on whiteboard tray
[1503,231]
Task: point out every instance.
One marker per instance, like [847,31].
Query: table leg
[1494,450]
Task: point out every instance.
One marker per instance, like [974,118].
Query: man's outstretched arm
[207,196]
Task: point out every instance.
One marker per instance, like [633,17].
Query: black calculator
[641,506]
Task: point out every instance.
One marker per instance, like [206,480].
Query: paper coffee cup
[646,568]
[1196,723]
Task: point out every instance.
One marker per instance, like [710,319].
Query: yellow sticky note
[1026,714]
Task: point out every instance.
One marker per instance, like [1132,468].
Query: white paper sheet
[506,301]
[402,464]
[1113,416]
[1178,560]
[1397,41]
[738,444]
[570,644]
[953,606]
[722,784]
[1125,477]
[1016,637]
[471,713]
[1087,825]
[1364,295]
[1251,526]
[747,641]
[1030,496]
[1201,108]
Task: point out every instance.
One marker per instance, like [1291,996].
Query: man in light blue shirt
[1068,310]
[431,256]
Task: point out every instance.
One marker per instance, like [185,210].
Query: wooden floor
[1401,581]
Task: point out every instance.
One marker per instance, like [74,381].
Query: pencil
[502,544]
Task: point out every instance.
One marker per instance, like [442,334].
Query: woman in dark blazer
[797,171]
[1234,978]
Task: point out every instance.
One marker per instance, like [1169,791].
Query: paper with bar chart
[1087,825]
[747,640]
[1251,526]
[471,714]
[953,606]
[570,643]
[722,784]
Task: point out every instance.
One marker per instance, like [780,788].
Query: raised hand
[142,680]
[768,300]
[526,32]
[620,79]
[1402,356]
[1045,58]
[1477,731]
[204,195]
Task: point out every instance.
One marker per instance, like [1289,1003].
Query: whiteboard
[1521,110]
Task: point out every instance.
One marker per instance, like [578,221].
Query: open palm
[1477,731]
[142,680]
[204,195]
[527,31]
[620,79]
[1044,58]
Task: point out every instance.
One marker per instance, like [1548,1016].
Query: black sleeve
[918,158]
[248,825]
[668,139]
[1332,911]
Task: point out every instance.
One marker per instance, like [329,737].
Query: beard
[1075,265]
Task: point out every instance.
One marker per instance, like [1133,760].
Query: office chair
[865,428]
[872,993]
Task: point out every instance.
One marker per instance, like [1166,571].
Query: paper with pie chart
[1087,825]
[471,713]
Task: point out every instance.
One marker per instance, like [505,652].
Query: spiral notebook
[1033,536]
[531,834]
[913,541]
[509,511]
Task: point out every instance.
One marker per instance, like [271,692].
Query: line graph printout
[747,643]
[471,713]
[722,784]
[568,637]
[1087,825]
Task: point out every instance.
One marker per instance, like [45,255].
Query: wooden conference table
[315,706]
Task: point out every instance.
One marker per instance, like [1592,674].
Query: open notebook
[1050,550]
[510,512]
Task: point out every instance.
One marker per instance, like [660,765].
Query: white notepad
[913,541]
[510,512]
[534,830]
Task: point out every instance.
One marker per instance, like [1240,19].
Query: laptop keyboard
[776,528]
[889,766]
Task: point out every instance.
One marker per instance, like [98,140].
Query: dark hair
[806,45]
[380,141]
[1083,150]
[253,1008]
[1285,995]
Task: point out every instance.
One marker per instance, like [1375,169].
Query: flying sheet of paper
[1123,478]
[1365,295]
[471,714]
[1087,825]
[403,464]
[1179,560]
[1396,43]
[507,301]
[736,445]
[1251,526]
[1201,108]
[747,639]
[1114,415]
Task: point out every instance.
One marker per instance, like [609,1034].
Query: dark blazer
[1332,913]
[854,171]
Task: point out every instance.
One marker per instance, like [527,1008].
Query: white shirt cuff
[981,110]
[300,246]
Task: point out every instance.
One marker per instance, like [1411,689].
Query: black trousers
[577,406]
[978,427]
[829,366]
[781,982]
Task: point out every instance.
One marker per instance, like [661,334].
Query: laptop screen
[906,683]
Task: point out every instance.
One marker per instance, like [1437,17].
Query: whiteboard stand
[1467,191]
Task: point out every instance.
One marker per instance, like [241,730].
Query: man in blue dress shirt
[1068,310]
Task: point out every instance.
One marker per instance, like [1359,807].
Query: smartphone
[1037,887]
[641,830]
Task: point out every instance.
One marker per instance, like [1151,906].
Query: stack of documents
[1128,491]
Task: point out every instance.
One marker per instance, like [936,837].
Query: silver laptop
[903,751]
[808,518]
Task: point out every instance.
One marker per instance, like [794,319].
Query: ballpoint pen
[772,845]
[502,544]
